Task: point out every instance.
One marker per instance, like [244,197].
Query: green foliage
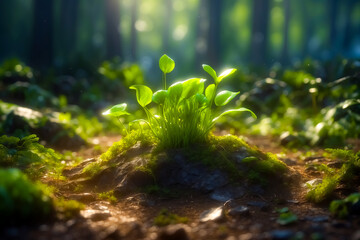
[108,196]
[27,154]
[14,68]
[165,218]
[286,217]
[22,200]
[333,177]
[185,112]
[120,147]
[67,209]
[342,208]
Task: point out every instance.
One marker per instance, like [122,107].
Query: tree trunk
[332,16]
[202,26]
[42,40]
[113,35]
[348,29]
[167,25]
[285,49]
[68,22]
[133,43]
[259,34]
[214,43]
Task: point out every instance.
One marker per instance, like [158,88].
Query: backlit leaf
[160,96]
[192,86]
[210,71]
[210,91]
[117,110]
[234,110]
[143,94]
[224,97]
[166,64]
[175,91]
[226,73]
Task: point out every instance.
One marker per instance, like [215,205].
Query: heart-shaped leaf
[117,110]
[166,64]
[210,71]
[226,73]
[224,97]
[143,94]
[234,110]
[160,96]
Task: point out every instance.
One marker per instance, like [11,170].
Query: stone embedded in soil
[173,232]
[319,218]
[259,204]
[214,214]
[281,234]
[239,211]
[312,183]
[95,215]
[226,193]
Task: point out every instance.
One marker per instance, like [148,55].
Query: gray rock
[312,183]
[214,214]
[259,204]
[356,235]
[239,211]
[281,234]
[226,193]
[100,216]
[317,219]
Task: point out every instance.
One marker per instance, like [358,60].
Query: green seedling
[186,111]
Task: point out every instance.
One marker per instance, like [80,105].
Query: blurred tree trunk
[259,31]
[202,26]
[68,20]
[214,34]
[285,49]
[307,23]
[113,35]
[333,16]
[133,38]
[348,29]
[42,41]
[167,24]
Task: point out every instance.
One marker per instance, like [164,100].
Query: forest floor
[132,217]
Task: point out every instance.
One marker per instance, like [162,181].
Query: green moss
[166,218]
[22,200]
[145,138]
[108,196]
[324,190]
[333,177]
[67,209]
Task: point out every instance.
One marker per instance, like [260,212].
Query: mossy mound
[225,165]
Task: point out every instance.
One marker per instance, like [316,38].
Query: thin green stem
[123,126]
[164,81]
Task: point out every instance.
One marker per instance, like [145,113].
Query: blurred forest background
[75,36]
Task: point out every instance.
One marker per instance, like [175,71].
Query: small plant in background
[343,208]
[186,111]
[166,218]
[286,217]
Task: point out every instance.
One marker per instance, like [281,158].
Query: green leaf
[160,96]
[143,94]
[210,91]
[117,110]
[201,98]
[175,91]
[234,110]
[287,218]
[226,73]
[224,97]
[166,64]
[192,86]
[210,71]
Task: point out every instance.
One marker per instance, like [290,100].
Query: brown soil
[132,217]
